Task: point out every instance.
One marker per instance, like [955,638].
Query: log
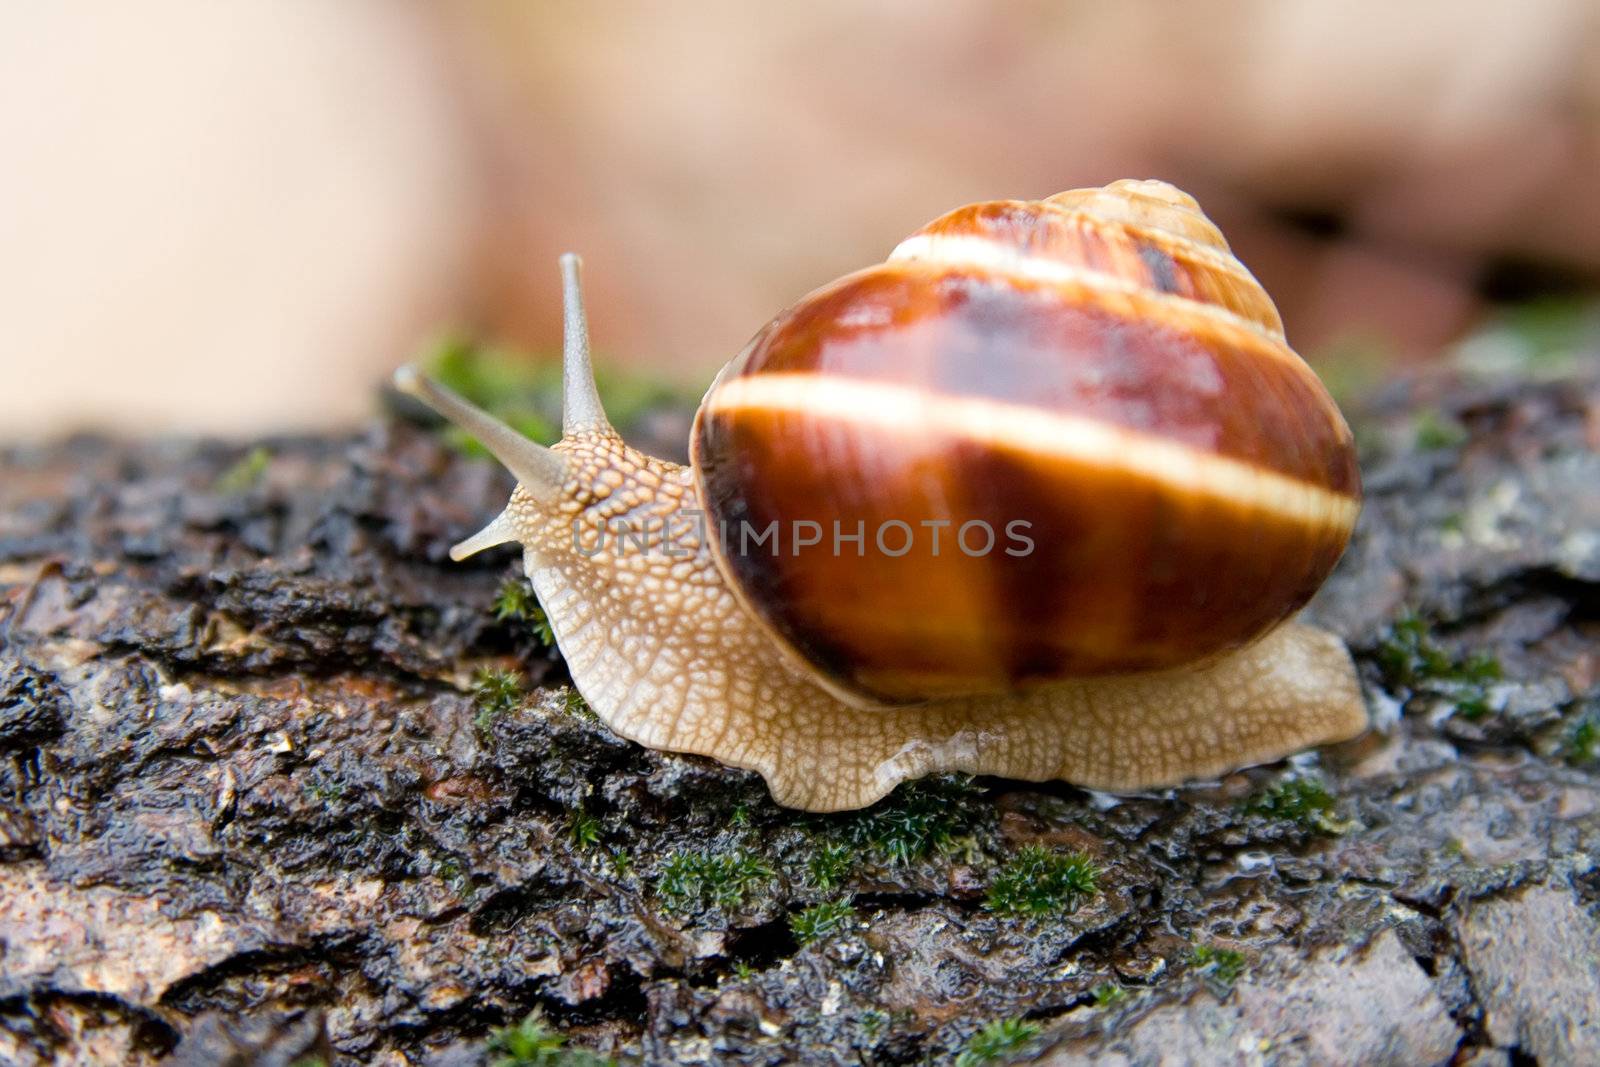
[277,785]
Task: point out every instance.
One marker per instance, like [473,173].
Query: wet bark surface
[255,808]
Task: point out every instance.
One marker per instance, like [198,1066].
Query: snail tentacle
[541,471]
[581,409]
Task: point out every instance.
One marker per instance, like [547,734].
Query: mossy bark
[253,806]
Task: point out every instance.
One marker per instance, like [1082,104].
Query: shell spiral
[1042,440]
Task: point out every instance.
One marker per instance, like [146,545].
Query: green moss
[1037,882]
[1479,668]
[539,623]
[822,920]
[1408,654]
[1000,1040]
[491,377]
[1302,799]
[1582,741]
[1108,995]
[1472,706]
[621,862]
[498,690]
[917,820]
[1544,337]
[584,832]
[1410,658]
[495,692]
[515,602]
[532,1043]
[448,870]
[829,864]
[244,475]
[723,879]
[1434,430]
[320,789]
[574,705]
[1220,967]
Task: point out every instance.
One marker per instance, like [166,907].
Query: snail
[1035,497]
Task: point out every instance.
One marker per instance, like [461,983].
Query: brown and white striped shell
[1097,366]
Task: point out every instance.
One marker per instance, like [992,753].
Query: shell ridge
[988,254]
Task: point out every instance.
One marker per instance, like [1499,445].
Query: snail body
[1034,497]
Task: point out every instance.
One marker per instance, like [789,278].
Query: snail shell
[1097,366]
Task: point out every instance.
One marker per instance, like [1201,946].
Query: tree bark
[255,810]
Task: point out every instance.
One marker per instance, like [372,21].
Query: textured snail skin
[676,647]
[1098,364]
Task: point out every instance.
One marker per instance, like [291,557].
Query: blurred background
[237,218]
